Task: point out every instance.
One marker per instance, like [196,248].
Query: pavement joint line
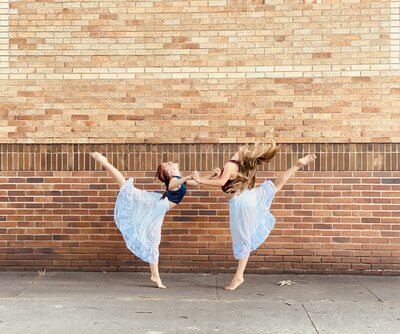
[308,315]
[216,287]
[150,299]
[366,288]
[28,286]
[192,299]
[72,301]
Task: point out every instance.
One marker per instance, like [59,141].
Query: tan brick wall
[215,71]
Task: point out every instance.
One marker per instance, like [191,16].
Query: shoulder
[172,188]
[232,164]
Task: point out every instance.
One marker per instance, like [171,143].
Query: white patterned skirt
[250,219]
[139,215]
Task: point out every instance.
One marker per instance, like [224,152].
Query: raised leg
[282,179]
[115,173]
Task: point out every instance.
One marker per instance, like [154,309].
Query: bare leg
[238,278]
[281,180]
[155,276]
[115,173]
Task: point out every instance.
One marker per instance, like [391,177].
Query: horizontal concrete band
[146,157]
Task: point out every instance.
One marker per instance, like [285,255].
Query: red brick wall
[328,220]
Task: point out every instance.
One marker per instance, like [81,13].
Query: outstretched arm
[229,170]
[215,173]
[175,183]
[281,180]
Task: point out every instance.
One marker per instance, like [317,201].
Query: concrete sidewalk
[69,302]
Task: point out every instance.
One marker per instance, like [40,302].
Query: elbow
[174,185]
[214,183]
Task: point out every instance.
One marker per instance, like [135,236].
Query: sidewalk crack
[366,288]
[308,315]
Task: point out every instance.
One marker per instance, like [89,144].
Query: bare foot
[98,157]
[157,281]
[234,283]
[307,159]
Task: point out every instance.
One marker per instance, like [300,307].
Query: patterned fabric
[250,219]
[139,215]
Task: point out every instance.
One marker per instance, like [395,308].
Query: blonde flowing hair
[249,159]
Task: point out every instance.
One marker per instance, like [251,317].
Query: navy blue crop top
[176,196]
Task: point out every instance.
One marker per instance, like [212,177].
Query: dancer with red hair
[139,214]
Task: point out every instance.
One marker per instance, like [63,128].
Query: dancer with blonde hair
[249,216]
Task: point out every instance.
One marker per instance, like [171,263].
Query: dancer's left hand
[196,176]
[217,172]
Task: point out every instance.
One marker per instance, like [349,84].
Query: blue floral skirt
[250,219]
[139,215]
